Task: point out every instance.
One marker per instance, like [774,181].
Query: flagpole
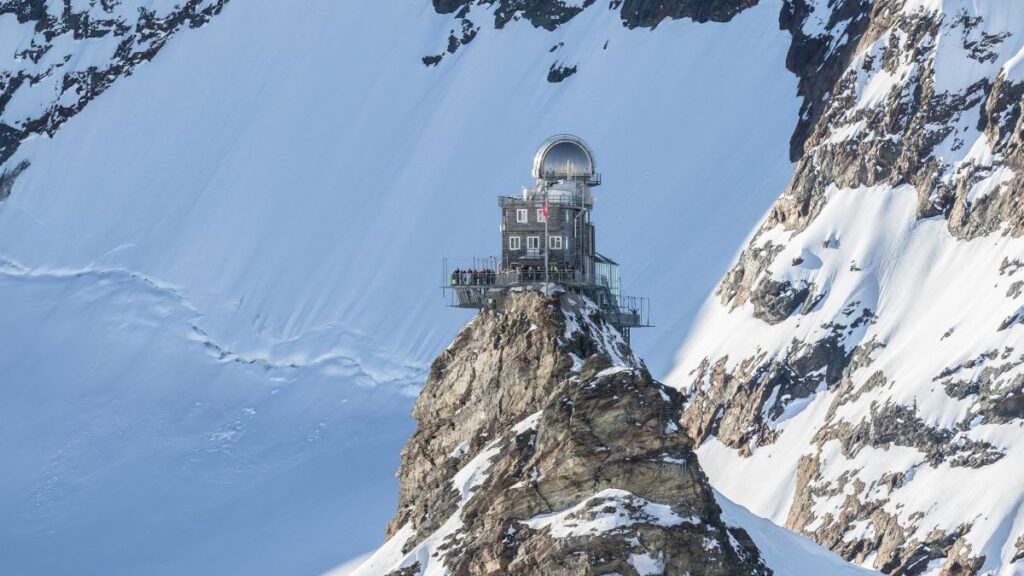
[546,243]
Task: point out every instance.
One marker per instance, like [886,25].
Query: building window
[540,215]
[521,215]
[555,242]
[533,242]
[514,243]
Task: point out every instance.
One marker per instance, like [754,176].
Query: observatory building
[548,239]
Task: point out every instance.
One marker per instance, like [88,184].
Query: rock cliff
[867,340]
[545,447]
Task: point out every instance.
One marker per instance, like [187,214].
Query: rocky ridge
[876,308]
[545,447]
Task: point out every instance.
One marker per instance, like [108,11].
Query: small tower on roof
[548,238]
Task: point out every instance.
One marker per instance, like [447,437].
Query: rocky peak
[545,447]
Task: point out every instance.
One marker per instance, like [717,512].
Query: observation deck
[480,284]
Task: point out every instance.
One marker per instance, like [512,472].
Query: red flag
[545,211]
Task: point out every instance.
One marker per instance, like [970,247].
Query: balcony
[468,289]
[555,198]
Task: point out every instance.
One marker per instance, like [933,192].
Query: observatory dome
[564,157]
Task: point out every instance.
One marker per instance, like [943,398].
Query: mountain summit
[545,447]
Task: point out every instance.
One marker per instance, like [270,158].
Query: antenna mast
[546,243]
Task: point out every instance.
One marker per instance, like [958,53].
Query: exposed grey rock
[571,424]
[650,13]
[559,72]
[897,142]
[1002,122]
[897,425]
[1015,318]
[1019,554]
[1010,267]
[738,406]
[819,61]
[550,14]
[8,176]
[540,13]
[735,289]
[775,301]
[895,550]
[996,391]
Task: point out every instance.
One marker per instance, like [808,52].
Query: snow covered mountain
[221,226]
[862,358]
[220,275]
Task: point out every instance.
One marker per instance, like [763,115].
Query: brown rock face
[545,447]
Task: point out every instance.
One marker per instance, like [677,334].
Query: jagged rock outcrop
[955,137]
[545,447]
[870,318]
[7,178]
[550,14]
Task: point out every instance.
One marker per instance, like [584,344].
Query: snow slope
[786,553]
[921,315]
[264,207]
[880,412]
[130,445]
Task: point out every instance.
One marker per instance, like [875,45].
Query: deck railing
[469,287]
[514,277]
[632,311]
[591,178]
[570,199]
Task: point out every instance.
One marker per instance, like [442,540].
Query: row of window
[533,242]
[523,215]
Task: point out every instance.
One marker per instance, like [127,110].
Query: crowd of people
[486,277]
[473,277]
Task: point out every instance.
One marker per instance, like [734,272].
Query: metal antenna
[545,209]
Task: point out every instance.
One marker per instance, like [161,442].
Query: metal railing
[509,278]
[591,178]
[469,288]
[569,199]
[633,311]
